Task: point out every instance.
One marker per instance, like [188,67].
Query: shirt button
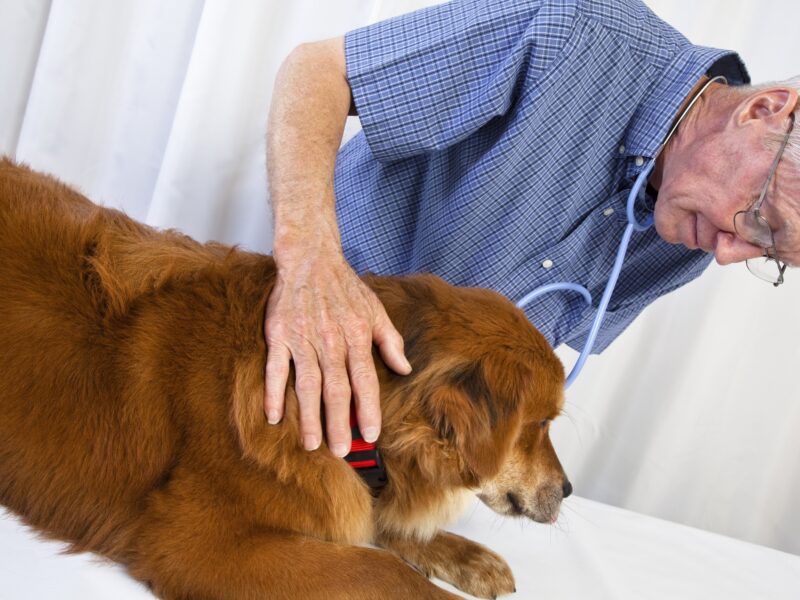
[639,161]
[608,212]
[547,264]
[622,149]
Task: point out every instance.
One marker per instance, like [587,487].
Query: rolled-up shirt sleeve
[428,79]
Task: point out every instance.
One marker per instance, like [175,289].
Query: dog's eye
[543,423]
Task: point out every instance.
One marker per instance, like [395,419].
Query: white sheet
[595,551]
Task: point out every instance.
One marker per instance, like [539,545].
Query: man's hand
[325,319]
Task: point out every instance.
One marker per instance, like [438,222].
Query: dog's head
[486,385]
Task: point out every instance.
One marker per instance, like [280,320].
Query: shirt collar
[659,106]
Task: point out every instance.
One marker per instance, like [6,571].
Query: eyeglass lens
[764,268]
[753,229]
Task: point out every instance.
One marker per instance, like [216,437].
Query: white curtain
[160,108]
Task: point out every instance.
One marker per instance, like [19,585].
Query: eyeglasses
[753,228]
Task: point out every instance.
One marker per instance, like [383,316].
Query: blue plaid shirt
[500,141]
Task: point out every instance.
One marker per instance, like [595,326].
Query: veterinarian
[500,142]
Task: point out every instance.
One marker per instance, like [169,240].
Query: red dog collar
[364,457]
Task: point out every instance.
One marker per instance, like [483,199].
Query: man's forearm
[310,105]
[320,316]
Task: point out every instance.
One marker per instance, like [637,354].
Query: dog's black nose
[566,489]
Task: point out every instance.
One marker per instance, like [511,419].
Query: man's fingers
[308,385]
[390,344]
[337,424]
[277,374]
[336,392]
[364,380]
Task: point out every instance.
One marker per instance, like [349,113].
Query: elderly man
[500,142]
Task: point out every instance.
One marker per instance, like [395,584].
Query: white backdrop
[160,108]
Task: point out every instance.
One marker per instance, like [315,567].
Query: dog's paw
[479,572]
[470,567]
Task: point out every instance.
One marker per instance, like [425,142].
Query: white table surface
[595,552]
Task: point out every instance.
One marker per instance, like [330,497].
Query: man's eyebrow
[785,228]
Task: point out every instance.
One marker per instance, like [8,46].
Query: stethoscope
[633,225]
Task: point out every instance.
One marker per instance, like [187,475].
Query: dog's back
[131,379]
[63,366]
[106,326]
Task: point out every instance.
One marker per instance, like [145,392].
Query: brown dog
[131,419]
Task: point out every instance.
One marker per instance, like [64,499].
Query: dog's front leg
[214,561]
[469,566]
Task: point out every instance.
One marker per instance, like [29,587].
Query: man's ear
[769,106]
[465,414]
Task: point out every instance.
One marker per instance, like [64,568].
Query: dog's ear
[260,442]
[247,415]
[275,446]
[476,418]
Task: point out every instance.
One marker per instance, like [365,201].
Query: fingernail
[310,442]
[340,450]
[408,364]
[370,434]
[273,417]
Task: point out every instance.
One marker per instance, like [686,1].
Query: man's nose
[732,249]
[566,488]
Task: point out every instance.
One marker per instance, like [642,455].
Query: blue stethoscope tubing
[633,225]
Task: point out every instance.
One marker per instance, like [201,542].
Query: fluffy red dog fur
[131,418]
